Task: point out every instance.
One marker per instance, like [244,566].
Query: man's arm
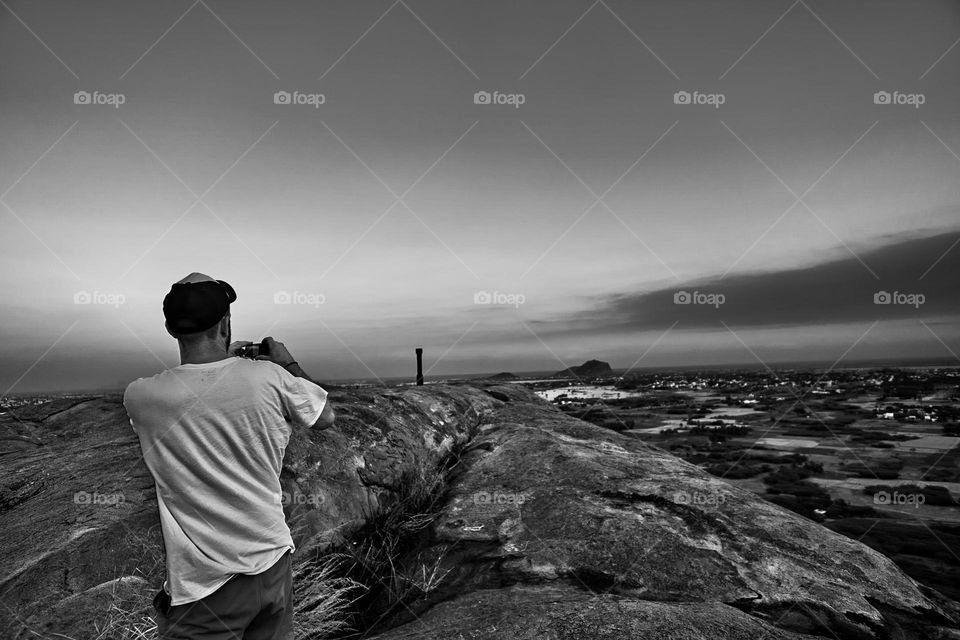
[294,367]
[327,416]
[279,355]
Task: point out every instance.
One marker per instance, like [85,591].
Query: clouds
[397,196]
[836,290]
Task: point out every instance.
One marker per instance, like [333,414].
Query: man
[213,431]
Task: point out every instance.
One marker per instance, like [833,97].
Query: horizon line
[783,365]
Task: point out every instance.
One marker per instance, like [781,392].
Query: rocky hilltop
[587,370]
[503,376]
[549,527]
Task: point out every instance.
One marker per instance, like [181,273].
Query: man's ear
[225,325]
[167,327]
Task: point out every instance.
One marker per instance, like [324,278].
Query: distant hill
[506,375]
[589,369]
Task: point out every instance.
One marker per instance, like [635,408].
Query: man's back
[213,437]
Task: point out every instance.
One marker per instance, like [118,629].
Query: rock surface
[553,527]
[545,499]
[78,508]
[533,612]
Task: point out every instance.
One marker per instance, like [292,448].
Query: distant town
[11,401]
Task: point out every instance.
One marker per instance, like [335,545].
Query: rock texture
[553,527]
[534,612]
[544,499]
[78,506]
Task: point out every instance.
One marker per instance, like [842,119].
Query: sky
[340,164]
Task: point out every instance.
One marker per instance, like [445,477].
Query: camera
[253,350]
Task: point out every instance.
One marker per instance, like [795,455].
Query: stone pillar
[419,366]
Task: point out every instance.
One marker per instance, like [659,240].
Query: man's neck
[202,356]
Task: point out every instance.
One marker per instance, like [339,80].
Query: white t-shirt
[213,437]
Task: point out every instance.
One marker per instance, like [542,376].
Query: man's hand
[278,353]
[326,419]
[234,348]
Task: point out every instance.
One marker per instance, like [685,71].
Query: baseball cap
[196,303]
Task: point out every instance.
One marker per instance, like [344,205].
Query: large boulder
[553,504]
[551,527]
[76,511]
[78,508]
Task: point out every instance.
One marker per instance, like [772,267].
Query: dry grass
[128,618]
[390,538]
[323,599]
[322,605]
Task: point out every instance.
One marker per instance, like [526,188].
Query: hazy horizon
[402,210]
[814,366]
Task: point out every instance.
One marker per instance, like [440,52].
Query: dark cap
[196,303]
